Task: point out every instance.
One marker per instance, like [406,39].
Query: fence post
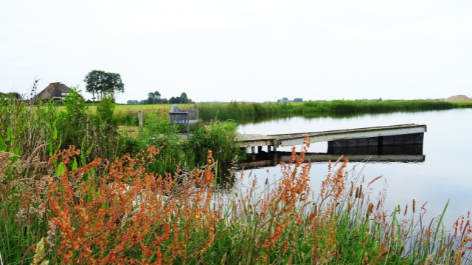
[140,115]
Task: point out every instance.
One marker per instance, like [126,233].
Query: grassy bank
[42,129]
[249,112]
[243,111]
[118,213]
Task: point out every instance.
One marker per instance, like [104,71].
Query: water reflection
[444,175]
[399,153]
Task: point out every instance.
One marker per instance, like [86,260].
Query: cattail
[370,210]
[406,210]
[360,191]
[365,259]
[349,206]
[357,192]
[414,203]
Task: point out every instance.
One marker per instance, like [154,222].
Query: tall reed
[243,111]
[124,214]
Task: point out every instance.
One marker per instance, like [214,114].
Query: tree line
[99,83]
[155,98]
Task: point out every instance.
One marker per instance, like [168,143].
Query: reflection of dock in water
[403,154]
[403,134]
[396,143]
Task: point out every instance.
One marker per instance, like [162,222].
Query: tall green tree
[100,82]
[154,97]
[183,98]
[174,100]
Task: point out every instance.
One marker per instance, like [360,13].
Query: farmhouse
[54,91]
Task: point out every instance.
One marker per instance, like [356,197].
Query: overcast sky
[217,50]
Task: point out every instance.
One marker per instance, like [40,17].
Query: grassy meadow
[75,190]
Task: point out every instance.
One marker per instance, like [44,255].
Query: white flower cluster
[51,235]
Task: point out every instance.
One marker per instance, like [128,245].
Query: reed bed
[249,112]
[243,111]
[116,212]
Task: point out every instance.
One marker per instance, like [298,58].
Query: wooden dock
[270,160]
[403,134]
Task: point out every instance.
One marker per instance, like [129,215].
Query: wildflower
[40,253]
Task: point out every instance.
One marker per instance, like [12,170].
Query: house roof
[53,90]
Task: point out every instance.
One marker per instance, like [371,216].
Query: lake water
[445,173]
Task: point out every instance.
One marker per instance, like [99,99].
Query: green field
[249,112]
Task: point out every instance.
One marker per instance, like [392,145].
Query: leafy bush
[217,136]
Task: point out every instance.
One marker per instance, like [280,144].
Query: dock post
[259,149]
[275,144]
[140,117]
[268,148]
[253,149]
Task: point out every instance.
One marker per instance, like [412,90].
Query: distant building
[54,91]
[298,100]
[283,100]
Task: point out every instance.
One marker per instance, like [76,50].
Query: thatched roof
[54,90]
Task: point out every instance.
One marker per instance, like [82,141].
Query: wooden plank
[248,140]
[297,139]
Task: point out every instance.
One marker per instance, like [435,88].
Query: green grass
[124,214]
[252,112]
[244,111]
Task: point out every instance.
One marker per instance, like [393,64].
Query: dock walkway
[403,134]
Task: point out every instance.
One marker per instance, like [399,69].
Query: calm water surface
[445,174]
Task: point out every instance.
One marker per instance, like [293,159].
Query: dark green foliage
[105,110]
[154,98]
[183,98]
[99,82]
[178,152]
[218,137]
[75,119]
